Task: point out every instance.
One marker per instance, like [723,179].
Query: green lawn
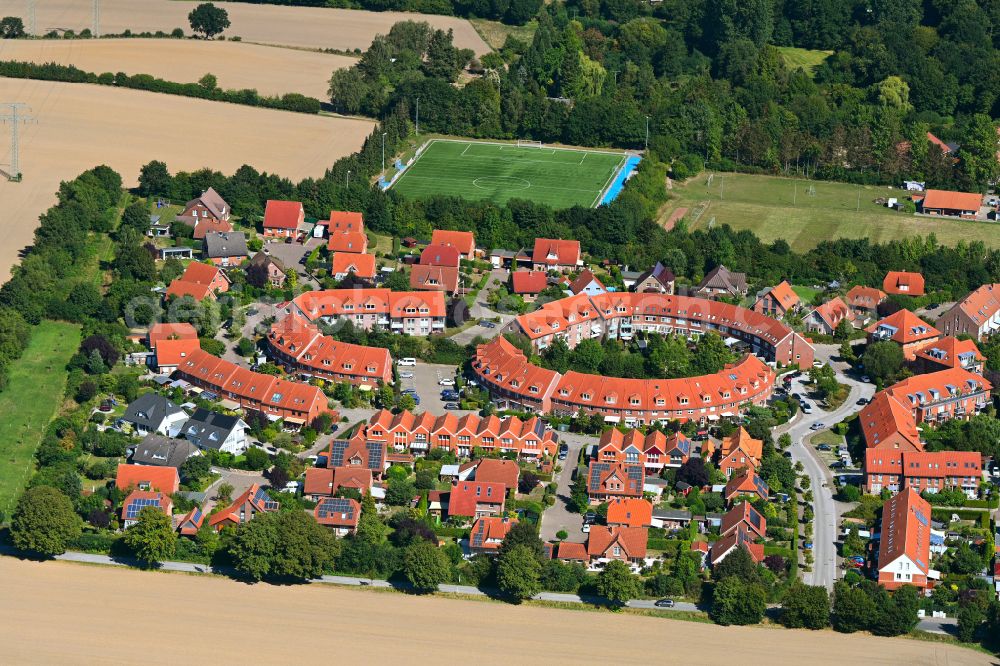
[559,177]
[805,294]
[806,212]
[805,58]
[30,401]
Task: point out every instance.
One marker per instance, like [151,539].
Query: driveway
[558,516]
[825,509]
[239,479]
[290,254]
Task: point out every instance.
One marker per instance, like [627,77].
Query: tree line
[205,88]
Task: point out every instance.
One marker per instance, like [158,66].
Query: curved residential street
[825,509]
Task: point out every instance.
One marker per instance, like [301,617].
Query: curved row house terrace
[298,345]
[621,315]
[419,433]
[295,402]
[407,312]
[515,383]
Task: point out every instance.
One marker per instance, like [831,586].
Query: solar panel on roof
[374,456]
[334,505]
[137,505]
[337,450]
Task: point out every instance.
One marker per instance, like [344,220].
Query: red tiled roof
[981,304]
[465,495]
[741,439]
[906,530]
[493,470]
[341,221]
[232,512]
[489,531]
[332,302]
[834,311]
[947,200]
[632,540]
[630,512]
[909,328]
[424,303]
[434,278]
[172,352]
[573,551]
[325,515]
[583,279]
[162,499]
[865,297]
[888,423]
[349,241]
[948,351]
[362,265]
[529,282]
[744,514]
[163,479]
[159,332]
[945,148]
[180,288]
[784,295]
[748,482]
[283,214]
[465,241]
[440,255]
[555,252]
[191,522]
[908,391]
[903,283]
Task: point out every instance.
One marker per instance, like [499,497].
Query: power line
[15,117]
[31,18]
[97,18]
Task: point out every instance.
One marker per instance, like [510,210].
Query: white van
[408,361]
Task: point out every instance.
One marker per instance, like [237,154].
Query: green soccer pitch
[559,177]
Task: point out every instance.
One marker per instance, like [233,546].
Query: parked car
[449,395]
[818,364]
[823,447]
[664,603]
[840,464]
[586,528]
[411,391]
[487,324]
[935,306]
[451,405]
[589,517]
[866,379]
[817,426]
[407,361]
[406,375]
[808,545]
[862,401]
[447,381]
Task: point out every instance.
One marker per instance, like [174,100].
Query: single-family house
[488,533]
[283,219]
[606,480]
[209,207]
[904,547]
[555,254]
[361,266]
[630,512]
[903,283]
[244,508]
[264,270]
[627,544]
[659,279]
[138,500]
[776,301]
[219,432]
[744,515]
[226,249]
[463,241]
[475,499]
[147,477]
[441,255]
[191,522]
[865,301]
[747,484]
[199,281]
[425,277]
[965,205]
[825,318]
[905,329]
[163,451]
[720,281]
[978,314]
[528,284]
[341,514]
[151,412]
[587,283]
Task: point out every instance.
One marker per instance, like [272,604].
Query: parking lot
[425,381]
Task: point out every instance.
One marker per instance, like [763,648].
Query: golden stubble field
[309,27]
[270,70]
[80,126]
[60,613]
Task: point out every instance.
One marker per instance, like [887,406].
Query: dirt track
[271,70]
[312,27]
[55,612]
[80,126]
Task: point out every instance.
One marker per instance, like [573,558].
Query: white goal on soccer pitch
[524,143]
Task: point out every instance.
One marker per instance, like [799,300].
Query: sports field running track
[559,177]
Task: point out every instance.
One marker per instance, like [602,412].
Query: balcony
[397,325]
[438,325]
[382,321]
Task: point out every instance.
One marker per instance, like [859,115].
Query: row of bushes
[205,89]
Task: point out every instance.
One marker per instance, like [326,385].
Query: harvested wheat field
[56,612]
[310,27]
[80,126]
[271,70]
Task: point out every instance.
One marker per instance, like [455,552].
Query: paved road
[825,509]
[480,310]
[558,516]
